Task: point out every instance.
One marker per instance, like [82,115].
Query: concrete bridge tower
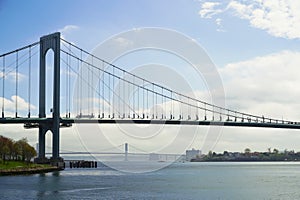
[47,42]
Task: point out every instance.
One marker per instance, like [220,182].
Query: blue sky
[255,46]
[27,21]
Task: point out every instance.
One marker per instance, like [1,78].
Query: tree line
[248,155]
[15,150]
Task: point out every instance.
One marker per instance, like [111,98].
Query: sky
[253,44]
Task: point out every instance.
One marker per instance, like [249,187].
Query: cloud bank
[279,18]
[265,85]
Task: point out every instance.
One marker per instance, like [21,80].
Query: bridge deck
[66,121]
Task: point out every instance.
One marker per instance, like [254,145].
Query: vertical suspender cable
[77,88]
[196,109]
[162,100]
[99,93]
[147,103]
[81,83]
[171,115]
[165,104]
[92,92]
[67,63]
[113,92]
[213,112]
[103,100]
[189,109]
[128,98]
[228,116]
[153,100]
[17,79]
[69,84]
[133,100]
[156,106]
[143,115]
[89,87]
[119,98]
[80,108]
[197,104]
[181,108]
[235,118]
[3,86]
[109,105]
[205,112]
[124,100]
[29,82]
[138,101]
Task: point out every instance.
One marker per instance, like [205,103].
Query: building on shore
[192,154]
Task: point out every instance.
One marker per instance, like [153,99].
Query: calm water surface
[178,181]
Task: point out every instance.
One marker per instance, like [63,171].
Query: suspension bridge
[123,153]
[101,92]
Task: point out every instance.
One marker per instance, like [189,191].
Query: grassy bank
[9,165]
[18,167]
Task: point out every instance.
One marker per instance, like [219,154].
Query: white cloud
[67,30]
[208,9]
[280,18]
[123,42]
[10,104]
[12,76]
[219,25]
[265,85]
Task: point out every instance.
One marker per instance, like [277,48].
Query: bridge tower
[47,42]
[126,151]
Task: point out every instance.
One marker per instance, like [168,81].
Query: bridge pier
[55,141]
[42,138]
[47,42]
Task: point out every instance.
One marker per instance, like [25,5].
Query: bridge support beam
[42,134]
[47,42]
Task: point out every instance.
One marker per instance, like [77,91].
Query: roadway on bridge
[33,122]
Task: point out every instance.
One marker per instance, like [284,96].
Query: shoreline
[244,160]
[28,171]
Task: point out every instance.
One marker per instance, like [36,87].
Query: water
[178,181]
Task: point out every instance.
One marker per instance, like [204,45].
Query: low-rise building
[192,154]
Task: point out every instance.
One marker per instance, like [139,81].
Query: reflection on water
[179,181]
[48,184]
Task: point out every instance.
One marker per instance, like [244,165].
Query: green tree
[2,145]
[19,150]
[6,147]
[269,149]
[21,146]
[225,153]
[275,151]
[29,152]
[10,146]
[5,152]
[247,151]
[16,154]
